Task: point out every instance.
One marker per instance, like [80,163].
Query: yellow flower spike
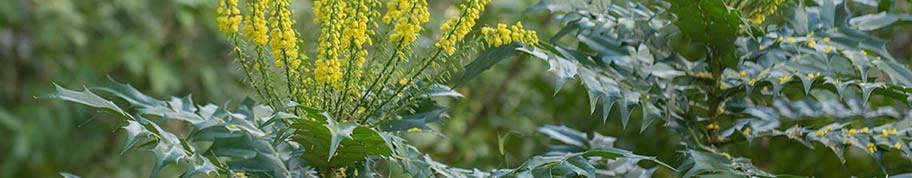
[256,29]
[766,89]
[742,74]
[406,17]
[455,29]
[812,43]
[826,40]
[791,40]
[327,71]
[897,145]
[501,35]
[746,131]
[871,148]
[829,49]
[229,16]
[864,130]
[284,37]
[863,53]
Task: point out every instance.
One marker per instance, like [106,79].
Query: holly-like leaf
[333,144]
[487,59]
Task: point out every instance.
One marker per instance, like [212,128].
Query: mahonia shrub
[336,113]
[714,72]
[720,72]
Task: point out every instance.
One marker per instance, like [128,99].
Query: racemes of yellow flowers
[503,35]
[357,73]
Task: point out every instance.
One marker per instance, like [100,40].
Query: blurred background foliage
[171,47]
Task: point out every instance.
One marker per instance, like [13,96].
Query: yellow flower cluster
[871,148]
[256,30]
[357,28]
[503,35]
[328,13]
[456,28]
[768,7]
[343,25]
[327,71]
[284,37]
[229,16]
[406,16]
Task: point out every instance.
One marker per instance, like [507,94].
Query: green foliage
[815,75]
[258,140]
[715,79]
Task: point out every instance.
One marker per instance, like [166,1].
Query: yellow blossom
[327,71]
[791,40]
[414,129]
[742,74]
[503,35]
[256,30]
[746,131]
[344,33]
[863,53]
[829,49]
[897,145]
[826,40]
[871,148]
[406,17]
[456,28]
[284,37]
[232,126]
[812,43]
[229,16]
